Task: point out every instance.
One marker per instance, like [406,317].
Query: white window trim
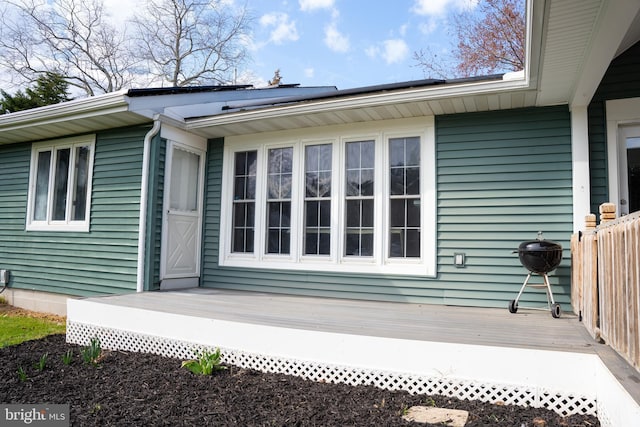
[48,224]
[380,132]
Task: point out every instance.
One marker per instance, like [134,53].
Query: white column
[580,170]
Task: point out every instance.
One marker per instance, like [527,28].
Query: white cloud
[309,72]
[372,51]
[440,7]
[391,51]
[283,29]
[335,40]
[394,51]
[309,5]
[428,27]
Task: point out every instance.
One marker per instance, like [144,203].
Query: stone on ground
[444,416]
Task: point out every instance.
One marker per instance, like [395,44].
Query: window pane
[397,217]
[367,213]
[80,185]
[353,155]
[279,221]
[279,169]
[60,184]
[274,214]
[396,244]
[311,242]
[244,201]
[317,199]
[243,227]
[239,215]
[279,173]
[367,154]
[185,170]
[239,240]
[397,181]
[413,243]
[353,182]
[239,188]
[359,198]
[324,246]
[312,214]
[353,213]
[325,213]
[42,186]
[352,243]
[311,184]
[396,152]
[413,213]
[404,203]
[366,182]
[412,151]
[366,243]
[413,180]
[324,184]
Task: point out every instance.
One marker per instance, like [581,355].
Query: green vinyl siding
[620,81]
[501,177]
[154,218]
[102,261]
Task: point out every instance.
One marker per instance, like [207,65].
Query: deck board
[462,325]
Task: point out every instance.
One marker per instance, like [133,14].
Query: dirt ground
[147,390]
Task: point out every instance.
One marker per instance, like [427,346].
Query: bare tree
[70,38]
[189,42]
[489,40]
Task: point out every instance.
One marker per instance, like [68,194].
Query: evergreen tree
[49,88]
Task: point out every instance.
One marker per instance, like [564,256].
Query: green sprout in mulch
[67,357]
[205,363]
[91,354]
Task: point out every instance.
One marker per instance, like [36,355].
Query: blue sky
[347,43]
[343,43]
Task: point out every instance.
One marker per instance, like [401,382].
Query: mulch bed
[150,390]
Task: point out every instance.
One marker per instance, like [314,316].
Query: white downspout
[144,194]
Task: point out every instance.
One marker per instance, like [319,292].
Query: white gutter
[144,194]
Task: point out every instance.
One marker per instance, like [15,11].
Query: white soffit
[582,37]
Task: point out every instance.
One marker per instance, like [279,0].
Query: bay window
[331,202]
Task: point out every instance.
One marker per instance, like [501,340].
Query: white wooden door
[182,224]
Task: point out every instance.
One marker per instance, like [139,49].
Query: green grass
[16,329]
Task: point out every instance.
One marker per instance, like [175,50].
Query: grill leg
[549,293]
[524,285]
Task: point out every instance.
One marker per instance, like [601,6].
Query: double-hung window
[331,202]
[60,185]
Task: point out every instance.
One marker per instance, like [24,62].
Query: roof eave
[382,98]
[50,120]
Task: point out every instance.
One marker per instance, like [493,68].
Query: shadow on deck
[528,358]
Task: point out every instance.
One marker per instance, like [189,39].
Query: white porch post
[580,162]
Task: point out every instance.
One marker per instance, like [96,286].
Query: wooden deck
[463,325]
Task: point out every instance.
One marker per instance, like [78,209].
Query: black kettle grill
[539,257]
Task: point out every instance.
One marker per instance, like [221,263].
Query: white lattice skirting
[486,391]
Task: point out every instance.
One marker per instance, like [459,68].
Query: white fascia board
[113,102]
[362,101]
